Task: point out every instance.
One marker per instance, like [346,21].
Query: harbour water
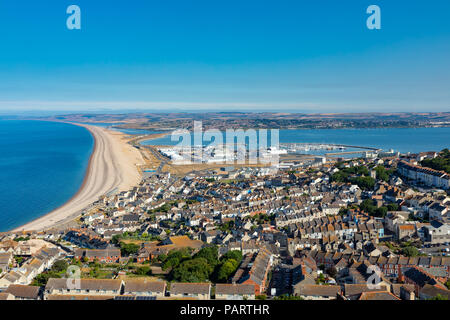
[399,139]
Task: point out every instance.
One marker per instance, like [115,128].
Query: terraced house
[255,272]
[427,176]
[235,291]
[107,287]
[108,255]
[144,287]
[200,291]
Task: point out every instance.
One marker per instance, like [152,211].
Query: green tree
[144,271]
[226,270]
[211,254]
[116,238]
[60,265]
[382,173]
[175,257]
[193,270]
[233,254]
[410,251]
[127,249]
[365,183]
[362,170]
[442,162]
[392,207]
[368,206]
[18,259]
[381,212]
[41,279]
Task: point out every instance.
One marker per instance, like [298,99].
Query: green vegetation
[262,218]
[382,173]
[127,249]
[392,207]
[192,270]
[447,284]
[174,258]
[229,263]
[18,239]
[358,175]
[320,279]
[197,268]
[144,271]
[134,236]
[165,207]
[60,266]
[442,162]
[19,260]
[344,173]
[58,270]
[406,248]
[365,183]
[227,226]
[439,297]
[370,207]
[410,251]
[203,266]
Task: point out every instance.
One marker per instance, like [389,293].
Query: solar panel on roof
[124,298]
[145,298]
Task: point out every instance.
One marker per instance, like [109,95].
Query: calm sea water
[400,139]
[42,165]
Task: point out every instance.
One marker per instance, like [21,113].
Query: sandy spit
[113,164]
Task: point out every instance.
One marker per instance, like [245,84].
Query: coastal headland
[113,166]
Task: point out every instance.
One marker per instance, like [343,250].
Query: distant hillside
[265,120]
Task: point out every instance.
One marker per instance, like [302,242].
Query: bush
[410,251]
[127,249]
[60,265]
[193,270]
[233,254]
[211,254]
[226,270]
[144,271]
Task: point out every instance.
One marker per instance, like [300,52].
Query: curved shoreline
[112,165]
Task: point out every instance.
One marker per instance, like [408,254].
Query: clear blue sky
[299,55]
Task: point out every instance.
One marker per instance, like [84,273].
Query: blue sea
[399,139]
[42,165]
